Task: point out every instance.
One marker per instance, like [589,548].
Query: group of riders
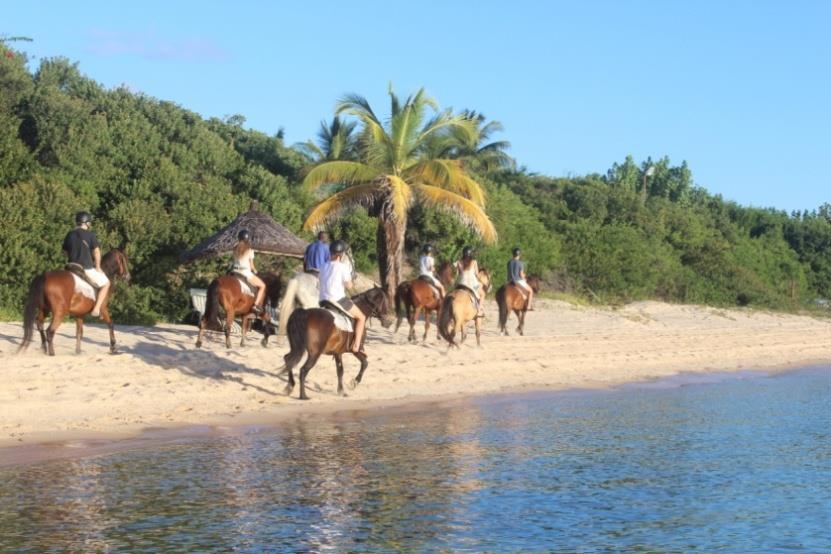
[321,258]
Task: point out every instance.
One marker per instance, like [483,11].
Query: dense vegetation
[162,178]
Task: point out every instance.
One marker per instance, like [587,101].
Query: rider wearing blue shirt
[317,254]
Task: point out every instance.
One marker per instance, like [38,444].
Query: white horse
[303,290]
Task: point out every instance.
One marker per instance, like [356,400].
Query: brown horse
[226,292]
[54,292]
[313,331]
[413,297]
[510,298]
[458,308]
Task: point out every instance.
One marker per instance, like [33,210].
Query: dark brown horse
[226,292]
[54,292]
[413,297]
[312,331]
[509,298]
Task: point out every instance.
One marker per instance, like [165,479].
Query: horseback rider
[468,270]
[335,277]
[317,254]
[427,268]
[244,265]
[81,248]
[516,275]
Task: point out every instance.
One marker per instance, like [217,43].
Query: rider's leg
[260,298]
[99,301]
[530,292]
[480,294]
[360,323]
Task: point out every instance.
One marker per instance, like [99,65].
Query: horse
[411,297]
[510,298]
[313,331]
[226,292]
[458,308]
[54,292]
[304,290]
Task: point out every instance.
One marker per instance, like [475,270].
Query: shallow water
[740,465]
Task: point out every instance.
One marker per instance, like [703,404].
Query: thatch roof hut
[267,236]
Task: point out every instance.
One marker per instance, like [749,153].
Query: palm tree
[335,141]
[394,171]
[471,145]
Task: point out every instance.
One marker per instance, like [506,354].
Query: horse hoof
[343,394]
[287,390]
[352,384]
[264,343]
[304,398]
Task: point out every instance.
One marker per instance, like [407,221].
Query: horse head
[378,304]
[116,264]
[484,277]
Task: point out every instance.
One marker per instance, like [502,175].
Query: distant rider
[244,265]
[516,275]
[427,268]
[335,277]
[468,270]
[317,254]
[82,248]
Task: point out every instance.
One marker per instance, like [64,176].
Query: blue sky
[740,90]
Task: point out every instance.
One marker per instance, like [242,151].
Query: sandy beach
[160,379]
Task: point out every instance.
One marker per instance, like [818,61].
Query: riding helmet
[467,252]
[83,217]
[337,247]
[516,252]
[427,248]
[244,235]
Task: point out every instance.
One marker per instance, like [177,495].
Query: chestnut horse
[313,331]
[413,297]
[54,292]
[510,298]
[458,308]
[226,292]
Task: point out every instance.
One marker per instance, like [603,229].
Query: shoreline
[69,445]
[161,384]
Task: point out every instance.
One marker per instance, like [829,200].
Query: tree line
[162,178]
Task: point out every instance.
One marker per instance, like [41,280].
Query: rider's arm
[251,261]
[96,257]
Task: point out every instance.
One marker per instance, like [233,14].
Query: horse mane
[371,297]
[109,262]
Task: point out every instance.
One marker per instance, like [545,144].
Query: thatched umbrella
[267,236]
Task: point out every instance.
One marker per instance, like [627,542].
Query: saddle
[247,287]
[472,294]
[520,290]
[343,320]
[78,271]
[430,282]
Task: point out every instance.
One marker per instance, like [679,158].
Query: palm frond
[449,175]
[332,207]
[340,172]
[470,213]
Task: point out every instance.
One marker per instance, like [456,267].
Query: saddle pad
[342,321]
[246,288]
[521,291]
[83,288]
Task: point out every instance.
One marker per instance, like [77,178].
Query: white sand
[161,379]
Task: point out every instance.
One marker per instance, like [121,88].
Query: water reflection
[741,465]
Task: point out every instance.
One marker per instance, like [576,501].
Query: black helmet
[337,247]
[244,235]
[427,248]
[467,252]
[516,252]
[83,217]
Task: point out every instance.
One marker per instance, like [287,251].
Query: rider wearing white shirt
[335,278]
[427,268]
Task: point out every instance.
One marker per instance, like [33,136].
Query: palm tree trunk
[390,247]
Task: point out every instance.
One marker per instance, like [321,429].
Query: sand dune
[160,379]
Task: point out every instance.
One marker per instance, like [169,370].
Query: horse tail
[212,306]
[35,302]
[296,331]
[502,302]
[287,305]
[446,319]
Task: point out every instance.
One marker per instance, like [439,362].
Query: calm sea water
[741,465]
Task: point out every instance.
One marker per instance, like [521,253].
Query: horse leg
[246,321]
[364,363]
[290,363]
[79,333]
[105,316]
[229,322]
[57,318]
[39,321]
[520,315]
[202,324]
[304,370]
[426,324]
[339,368]
[413,319]
[476,324]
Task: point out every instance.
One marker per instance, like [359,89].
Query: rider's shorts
[96,277]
